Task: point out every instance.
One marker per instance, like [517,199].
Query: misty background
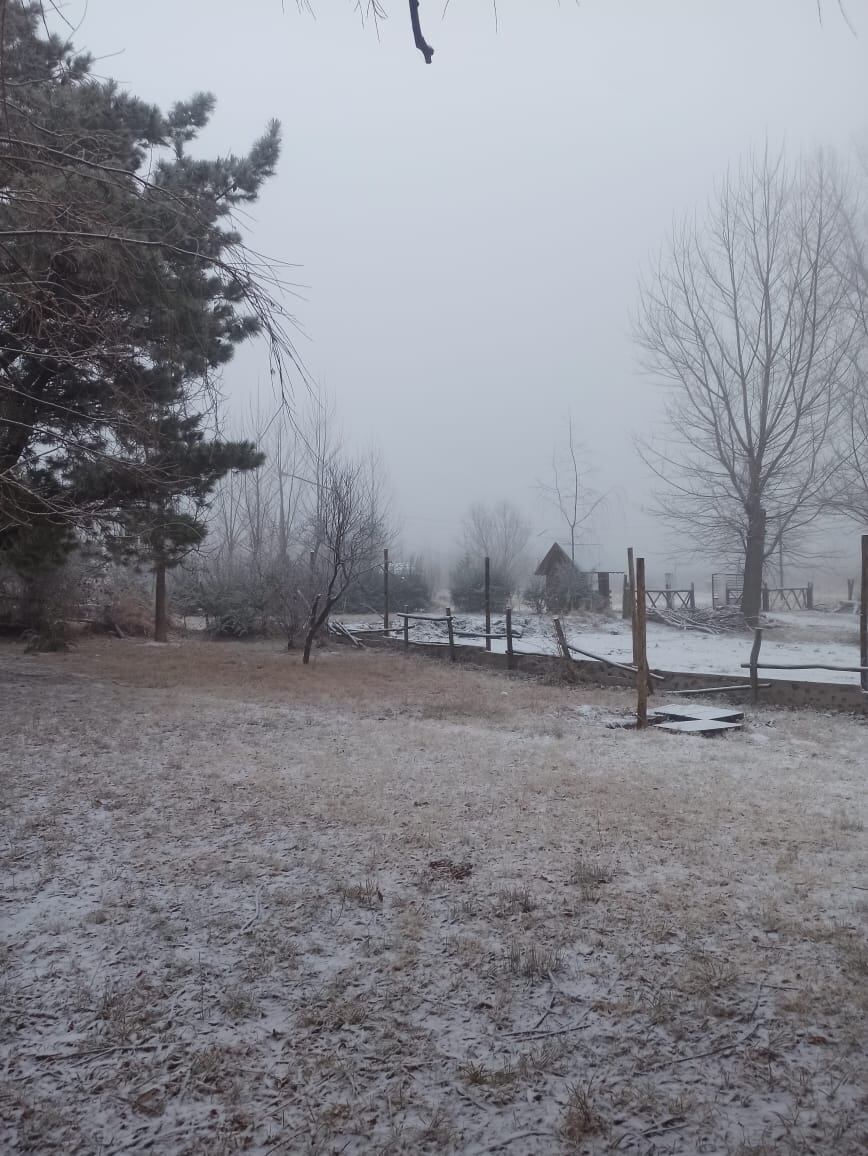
[468,237]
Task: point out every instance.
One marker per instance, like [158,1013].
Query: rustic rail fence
[754,665]
[788,597]
[635,602]
[671,598]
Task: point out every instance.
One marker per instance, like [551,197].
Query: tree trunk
[161,618]
[313,627]
[752,586]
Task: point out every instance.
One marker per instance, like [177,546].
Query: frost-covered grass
[382,905]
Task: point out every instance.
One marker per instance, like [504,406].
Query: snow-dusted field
[798,637]
[383,905]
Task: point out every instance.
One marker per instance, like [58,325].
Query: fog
[468,235]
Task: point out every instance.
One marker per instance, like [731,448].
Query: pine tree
[125,286]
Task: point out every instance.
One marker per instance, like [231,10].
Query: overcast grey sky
[470,233]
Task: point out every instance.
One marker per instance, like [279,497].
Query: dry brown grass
[390,683]
[386,904]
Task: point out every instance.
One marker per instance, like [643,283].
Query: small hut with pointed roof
[566,586]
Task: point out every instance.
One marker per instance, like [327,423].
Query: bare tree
[500,533]
[567,492]
[750,320]
[848,491]
[848,486]
[250,576]
[350,528]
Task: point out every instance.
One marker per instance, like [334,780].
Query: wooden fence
[788,597]
[671,599]
[754,666]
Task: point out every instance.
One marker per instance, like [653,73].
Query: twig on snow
[533,1034]
[702,1055]
[756,1001]
[94,1052]
[546,1013]
[501,1144]
[256,913]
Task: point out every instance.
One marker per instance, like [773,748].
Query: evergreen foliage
[124,288]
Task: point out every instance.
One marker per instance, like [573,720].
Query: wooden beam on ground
[611,662]
[806,666]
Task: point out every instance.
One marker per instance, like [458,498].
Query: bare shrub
[580,1117]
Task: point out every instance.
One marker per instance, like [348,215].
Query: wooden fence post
[406,632]
[754,659]
[692,596]
[626,608]
[510,658]
[631,574]
[863,616]
[851,586]
[562,639]
[641,642]
[385,589]
[451,633]
[487,603]
[809,596]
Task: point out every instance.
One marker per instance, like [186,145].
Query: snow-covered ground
[797,637]
[386,905]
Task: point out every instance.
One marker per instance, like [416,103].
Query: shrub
[409,589]
[467,585]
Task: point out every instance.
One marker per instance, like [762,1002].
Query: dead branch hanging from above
[419,40]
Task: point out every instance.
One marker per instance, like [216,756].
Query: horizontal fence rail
[671,599]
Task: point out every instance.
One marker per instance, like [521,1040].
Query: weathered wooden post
[406,632]
[562,640]
[809,596]
[851,586]
[451,633]
[161,615]
[641,641]
[754,659]
[631,573]
[385,589]
[692,596]
[626,608]
[604,589]
[487,603]
[863,616]
[510,659]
